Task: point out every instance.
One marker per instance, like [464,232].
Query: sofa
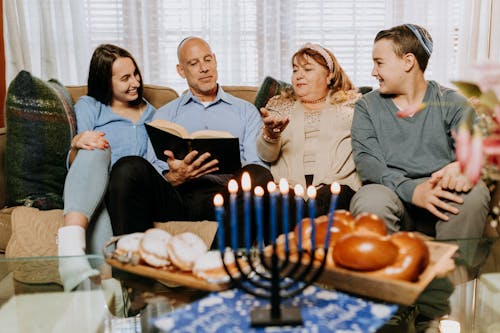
[31,242]
[157,96]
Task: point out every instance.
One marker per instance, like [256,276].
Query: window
[251,38]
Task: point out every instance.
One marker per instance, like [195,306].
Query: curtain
[251,38]
[480,38]
[47,38]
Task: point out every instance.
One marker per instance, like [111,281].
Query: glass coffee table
[32,299]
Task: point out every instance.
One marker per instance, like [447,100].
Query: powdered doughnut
[184,249]
[153,247]
[129,244]
[210,268]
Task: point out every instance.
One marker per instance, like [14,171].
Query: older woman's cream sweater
[334,160]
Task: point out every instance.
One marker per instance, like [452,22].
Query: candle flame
[284,187]
[258,191]
[335,188]
[299,190]
[311,192]
[246,183]
[232,186]
[271,187]
[218,200]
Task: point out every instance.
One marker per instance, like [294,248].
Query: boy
[408,163]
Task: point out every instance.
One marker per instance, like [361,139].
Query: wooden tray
[395,291]
[169,275]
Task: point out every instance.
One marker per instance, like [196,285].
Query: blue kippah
[423,40]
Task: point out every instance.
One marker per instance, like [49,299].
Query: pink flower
[462,145]
[410,111]
[474,163]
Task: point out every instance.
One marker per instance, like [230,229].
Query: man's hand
[191,167]
[89,140]
[429,196]
[451,178]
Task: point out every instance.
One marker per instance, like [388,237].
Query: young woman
[110,125]
[306,134]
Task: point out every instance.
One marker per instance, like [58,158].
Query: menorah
[261,270]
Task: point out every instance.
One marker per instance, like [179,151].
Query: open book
[221,145]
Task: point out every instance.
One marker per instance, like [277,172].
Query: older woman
[306,135]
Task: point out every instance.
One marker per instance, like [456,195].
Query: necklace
[314,101]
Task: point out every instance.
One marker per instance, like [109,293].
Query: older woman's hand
[274,124]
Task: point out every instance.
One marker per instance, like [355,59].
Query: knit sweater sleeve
[369,157]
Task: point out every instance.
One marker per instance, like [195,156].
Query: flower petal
[462,145]
[410,111]
[475,161]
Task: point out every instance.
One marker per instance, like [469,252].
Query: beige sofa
[156,95]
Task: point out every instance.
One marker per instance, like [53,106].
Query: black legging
[138,196]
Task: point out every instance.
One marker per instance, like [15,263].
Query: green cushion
[40,125]
[270,87]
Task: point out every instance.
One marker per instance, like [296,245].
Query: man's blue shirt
[225,113]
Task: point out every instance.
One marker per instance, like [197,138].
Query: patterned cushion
[270,87]
[40,124]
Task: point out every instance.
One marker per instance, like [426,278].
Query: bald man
[141,192]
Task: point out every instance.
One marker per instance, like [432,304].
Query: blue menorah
[273,272]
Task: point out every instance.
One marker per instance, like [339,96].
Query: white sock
[73,270]
[71,241]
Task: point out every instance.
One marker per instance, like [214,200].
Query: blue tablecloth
[322,311]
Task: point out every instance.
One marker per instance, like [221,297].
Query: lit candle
[284,188]
[246,185]
[259,193]
[335,189]
[233,189]
[299,193]
[219,217]
[271,188]
[311,194]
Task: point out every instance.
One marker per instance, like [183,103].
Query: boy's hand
[430,196]
[451,178]
[191,167]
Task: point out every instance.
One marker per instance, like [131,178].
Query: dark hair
[99,83]
[405,41]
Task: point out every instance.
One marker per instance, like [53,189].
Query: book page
[170,127]
[207,134]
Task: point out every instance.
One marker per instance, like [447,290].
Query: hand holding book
[193,166]
[222,146]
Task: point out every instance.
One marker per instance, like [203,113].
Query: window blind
[256,38]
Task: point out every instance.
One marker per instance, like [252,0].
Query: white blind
[251,38]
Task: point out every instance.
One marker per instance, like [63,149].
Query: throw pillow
[34,232]
[40,125]
[270,87]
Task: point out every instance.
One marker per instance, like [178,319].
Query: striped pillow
[40,125]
